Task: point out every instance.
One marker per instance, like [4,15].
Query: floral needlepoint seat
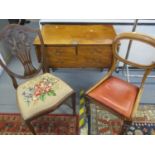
[41,93]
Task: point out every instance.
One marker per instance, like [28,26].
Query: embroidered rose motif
[40,90]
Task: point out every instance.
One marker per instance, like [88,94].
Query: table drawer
[95,56]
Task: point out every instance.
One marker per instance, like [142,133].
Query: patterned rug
[12,124]
[104,123]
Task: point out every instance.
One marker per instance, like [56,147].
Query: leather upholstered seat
[116,94]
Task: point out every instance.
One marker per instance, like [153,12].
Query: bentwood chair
[40,94]
[116,95]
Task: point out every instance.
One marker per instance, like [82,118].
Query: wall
[5,54]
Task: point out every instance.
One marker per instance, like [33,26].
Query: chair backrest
[18,41]
[147,68]
[132,36]
[137,37]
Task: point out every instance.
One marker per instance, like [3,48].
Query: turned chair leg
[30,127]
[74,103]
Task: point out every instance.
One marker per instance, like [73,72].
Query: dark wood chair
[41,93]
[116,95]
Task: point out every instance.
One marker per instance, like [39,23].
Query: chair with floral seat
[116,95]
[41,93]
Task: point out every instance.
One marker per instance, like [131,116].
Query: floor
[77,78]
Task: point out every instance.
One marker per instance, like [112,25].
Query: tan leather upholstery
[41,93]
[116,94]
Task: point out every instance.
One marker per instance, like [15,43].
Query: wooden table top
[76,34]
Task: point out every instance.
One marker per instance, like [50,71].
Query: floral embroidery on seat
[40,90]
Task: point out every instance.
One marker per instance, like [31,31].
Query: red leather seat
[116,94]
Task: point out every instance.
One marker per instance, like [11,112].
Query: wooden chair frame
[21,49]
[148,68]
[24,56]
